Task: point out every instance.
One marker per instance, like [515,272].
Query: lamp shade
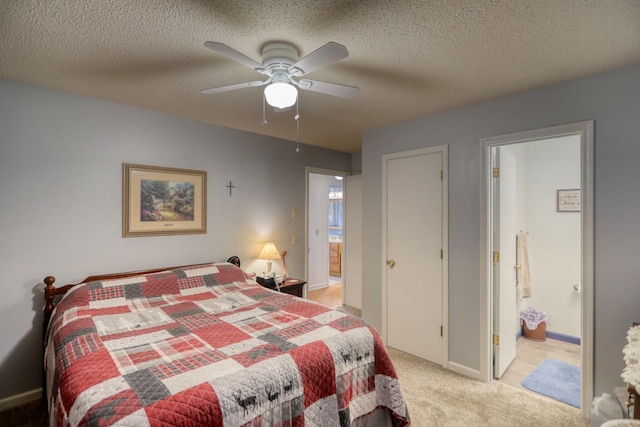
[281,94]
[269,252]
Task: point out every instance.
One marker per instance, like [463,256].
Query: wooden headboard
[51,291]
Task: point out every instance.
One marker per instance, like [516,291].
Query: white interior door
[414,224]
[317,231]
[352,285]
[504,274]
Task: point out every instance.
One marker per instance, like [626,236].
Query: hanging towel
[523,275]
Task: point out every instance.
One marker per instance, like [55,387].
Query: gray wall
[61,161]
[613,101]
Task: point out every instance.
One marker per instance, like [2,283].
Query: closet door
[414,218]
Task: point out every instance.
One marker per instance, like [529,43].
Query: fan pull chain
[297,118]
[264,117]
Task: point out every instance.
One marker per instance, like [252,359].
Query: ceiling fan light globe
[280,95]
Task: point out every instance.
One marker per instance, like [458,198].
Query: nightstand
[293,287]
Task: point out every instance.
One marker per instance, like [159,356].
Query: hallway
[330,296]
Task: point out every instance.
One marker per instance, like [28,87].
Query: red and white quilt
[205,345]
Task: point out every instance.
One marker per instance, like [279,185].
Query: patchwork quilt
[206,345]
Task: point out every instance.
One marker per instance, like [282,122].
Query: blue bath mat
[557,380]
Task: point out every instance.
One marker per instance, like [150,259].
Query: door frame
[330,172]
[444,150]
[585,130]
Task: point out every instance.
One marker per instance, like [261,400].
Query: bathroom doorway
[530,176]
[526,199]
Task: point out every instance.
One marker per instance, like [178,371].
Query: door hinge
[496,256]
[441,254]
[441,175]
[441,330]
[496,339]
[496,172]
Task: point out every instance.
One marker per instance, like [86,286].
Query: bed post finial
[49,294]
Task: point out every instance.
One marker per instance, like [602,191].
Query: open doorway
[325,236]
[547,281]
[529,176]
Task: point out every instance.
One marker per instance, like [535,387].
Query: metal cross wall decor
[230,187]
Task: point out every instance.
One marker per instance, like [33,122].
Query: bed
[206,345]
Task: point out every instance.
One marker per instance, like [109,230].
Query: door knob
[391,263]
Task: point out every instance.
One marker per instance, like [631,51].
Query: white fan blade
[324,55]
[229,52]
[341,91]
[233,87]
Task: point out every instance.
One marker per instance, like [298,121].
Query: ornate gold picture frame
[163,201]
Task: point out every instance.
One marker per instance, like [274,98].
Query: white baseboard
[464,370]
[317,286]
[20,399]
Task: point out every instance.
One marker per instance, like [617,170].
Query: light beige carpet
[439,397]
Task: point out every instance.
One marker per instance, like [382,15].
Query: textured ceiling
[409,58]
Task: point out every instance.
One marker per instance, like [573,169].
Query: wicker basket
[537,334]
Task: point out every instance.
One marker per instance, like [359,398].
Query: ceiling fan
[284,70]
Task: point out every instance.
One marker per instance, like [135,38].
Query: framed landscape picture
[161,201]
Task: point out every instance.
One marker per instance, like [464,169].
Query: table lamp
[269,253]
